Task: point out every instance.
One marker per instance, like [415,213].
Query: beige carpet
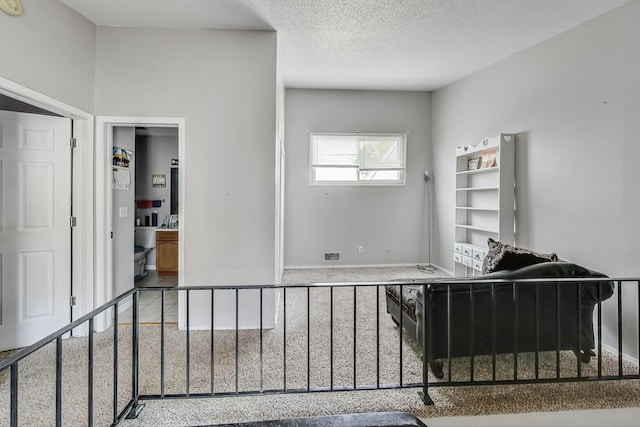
[37,383]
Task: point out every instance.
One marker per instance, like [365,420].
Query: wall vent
[331,256]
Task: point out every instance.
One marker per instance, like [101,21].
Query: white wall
[50,49]
[388,221]
[223,83]
[574,101]
[280,159]
[123,237]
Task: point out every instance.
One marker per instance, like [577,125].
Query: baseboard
[232,326]
[629,359]
[442,269]
[328,265]
[125,305]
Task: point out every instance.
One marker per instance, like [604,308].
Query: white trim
[313,165]
[126,305]
[30,96]
[331,265]
[103,194]
[232,326]
[444,270]
[83,243]
[625,356]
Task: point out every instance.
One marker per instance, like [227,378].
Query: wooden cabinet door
[167,253]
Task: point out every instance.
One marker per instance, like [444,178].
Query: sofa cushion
[502,256]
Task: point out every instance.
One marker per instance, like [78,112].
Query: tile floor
[151,302]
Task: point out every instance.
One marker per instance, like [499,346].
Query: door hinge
[72,301]
[73,143]
[73,221]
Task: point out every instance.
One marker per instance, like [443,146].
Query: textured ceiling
[367,44]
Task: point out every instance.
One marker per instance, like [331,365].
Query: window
[358,159]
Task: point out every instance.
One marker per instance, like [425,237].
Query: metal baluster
[261,340]
[536,317]
[579,331]
[237,336]
[355,335]
[14,394]
[493,332]
[401,329]
[619,326]
[448,332]
[600,332]
[378,336]
[284,340]
[331,336]
[187,354]
[59,381]
[162,337]
[212,349]
[471,332]
[308,339]
[90,376]
[115,363]
[558,329]
[136,407]
[515,331]
[134,349]
[426,399]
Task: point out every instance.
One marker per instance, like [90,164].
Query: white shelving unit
[485,200]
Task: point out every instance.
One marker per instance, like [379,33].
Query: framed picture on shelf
[473,162]
[488,159]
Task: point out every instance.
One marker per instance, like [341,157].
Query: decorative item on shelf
[159,180]
[473,162]
[488,159]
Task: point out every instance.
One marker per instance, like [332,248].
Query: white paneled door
[35,234]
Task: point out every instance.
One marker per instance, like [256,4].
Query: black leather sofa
[476,311]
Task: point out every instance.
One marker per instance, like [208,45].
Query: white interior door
[35,236]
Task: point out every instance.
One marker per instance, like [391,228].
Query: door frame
[82,265]
[103,196]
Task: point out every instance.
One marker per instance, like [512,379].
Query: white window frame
[366,183]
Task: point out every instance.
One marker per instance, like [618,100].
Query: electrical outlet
[361,249]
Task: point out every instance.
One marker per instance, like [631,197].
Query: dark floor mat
[374,419]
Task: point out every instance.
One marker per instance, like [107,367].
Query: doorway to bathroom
[156,205]
[138,157]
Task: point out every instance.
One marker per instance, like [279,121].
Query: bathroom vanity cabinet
[167,252]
